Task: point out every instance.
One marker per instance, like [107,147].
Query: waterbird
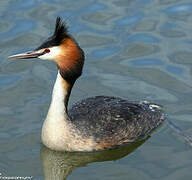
[93,124]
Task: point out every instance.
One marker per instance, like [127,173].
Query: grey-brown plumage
[114,120]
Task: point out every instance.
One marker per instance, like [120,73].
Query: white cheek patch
[54,51]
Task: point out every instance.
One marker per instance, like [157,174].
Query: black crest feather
[60,33]
[60,29]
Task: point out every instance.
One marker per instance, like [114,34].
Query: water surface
[139,50]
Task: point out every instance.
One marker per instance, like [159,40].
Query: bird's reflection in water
[58,165]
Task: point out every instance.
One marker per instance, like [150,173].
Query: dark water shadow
[58,165]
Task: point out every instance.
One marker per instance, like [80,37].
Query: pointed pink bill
[27,55]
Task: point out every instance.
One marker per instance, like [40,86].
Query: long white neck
[56,125]
[57,107]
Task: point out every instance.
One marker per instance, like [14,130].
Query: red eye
[47,50]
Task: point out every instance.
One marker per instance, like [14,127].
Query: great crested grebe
[95,123]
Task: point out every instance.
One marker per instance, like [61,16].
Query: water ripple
[20,27]
[179,8]
[23,5]
[145,62]
[143,38]
[175,70]
[101,53]
[130,19]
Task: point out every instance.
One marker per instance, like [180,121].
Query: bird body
[95,123]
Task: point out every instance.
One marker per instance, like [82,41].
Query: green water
[135,49]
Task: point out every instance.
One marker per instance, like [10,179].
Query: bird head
[62,48]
